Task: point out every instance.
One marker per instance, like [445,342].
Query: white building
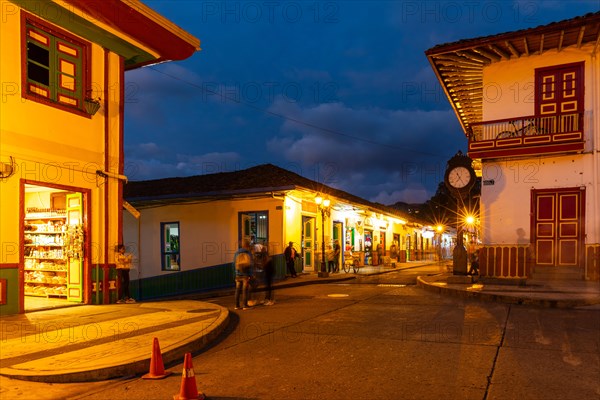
[528,102]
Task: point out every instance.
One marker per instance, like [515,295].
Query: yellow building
[188,228]
[61,148]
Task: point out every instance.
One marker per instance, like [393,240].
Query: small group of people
[247,260]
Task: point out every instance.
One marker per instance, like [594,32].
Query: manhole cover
[338,295]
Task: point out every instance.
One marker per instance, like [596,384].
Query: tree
[445,209]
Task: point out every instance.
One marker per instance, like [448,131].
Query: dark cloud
[382,155]
[339,92]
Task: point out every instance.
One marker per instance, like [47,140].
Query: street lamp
[440,231]
[471,222]
[323,205]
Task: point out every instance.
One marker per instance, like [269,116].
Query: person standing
[330,260]
[242,262]
[336,256]
[123,264]
[290,256]
[379,252]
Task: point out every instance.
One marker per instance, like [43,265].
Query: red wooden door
[557,226]
[559,97]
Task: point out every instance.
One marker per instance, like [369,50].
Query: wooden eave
[140,22]
[261,181]
[127,27]
[459,65]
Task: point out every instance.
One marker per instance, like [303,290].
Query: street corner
[112,347]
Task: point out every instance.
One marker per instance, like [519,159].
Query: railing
[526,136]
[592,262]
[526,126]
[517,261]
[505,261]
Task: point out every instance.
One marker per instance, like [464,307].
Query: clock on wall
[460,176]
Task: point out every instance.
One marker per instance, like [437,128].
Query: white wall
[208,232]
[508,86]
[506,204]
[509,92]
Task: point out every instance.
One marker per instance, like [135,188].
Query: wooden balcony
[527,136]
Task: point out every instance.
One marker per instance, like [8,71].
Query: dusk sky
[337,91]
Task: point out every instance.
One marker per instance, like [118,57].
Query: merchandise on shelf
[44,250]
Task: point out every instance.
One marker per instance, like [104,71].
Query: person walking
[290,255]
[269,271]
[123,264]
[242,262]
[474,270]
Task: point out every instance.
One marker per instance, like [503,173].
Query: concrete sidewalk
[554,294]
[99,342]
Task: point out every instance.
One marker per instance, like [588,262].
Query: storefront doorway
[368,247]
[53,247]
[338,233]
[308,234]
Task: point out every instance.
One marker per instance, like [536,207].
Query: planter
[91,106]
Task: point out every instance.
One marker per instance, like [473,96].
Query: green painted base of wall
[99,288]
[12,291]
[195,281]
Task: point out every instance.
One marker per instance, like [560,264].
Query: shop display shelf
[45,294]
[55,217]
[45,270]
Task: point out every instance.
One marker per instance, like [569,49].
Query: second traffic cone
[157,368]
[188,390]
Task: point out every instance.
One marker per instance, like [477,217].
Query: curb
[287,283]
[500,298]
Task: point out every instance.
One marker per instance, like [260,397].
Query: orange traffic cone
[188,390]
[157,368]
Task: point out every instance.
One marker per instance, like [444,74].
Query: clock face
[459,177]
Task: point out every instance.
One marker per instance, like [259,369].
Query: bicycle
[351,262]
[527,130]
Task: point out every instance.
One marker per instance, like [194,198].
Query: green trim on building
[195,281]
[183,282]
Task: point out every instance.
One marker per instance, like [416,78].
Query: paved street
[378,337]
